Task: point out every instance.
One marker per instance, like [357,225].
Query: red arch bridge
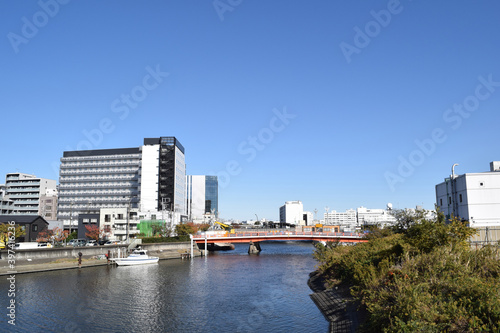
[255,237]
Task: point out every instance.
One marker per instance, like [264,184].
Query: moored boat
[137,257]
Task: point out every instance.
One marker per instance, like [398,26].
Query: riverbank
[336,305]
[43,265]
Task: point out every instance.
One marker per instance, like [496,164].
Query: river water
[224,292]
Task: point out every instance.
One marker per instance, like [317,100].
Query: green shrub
[184,238]
[424,278]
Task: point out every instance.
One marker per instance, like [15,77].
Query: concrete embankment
[337,307]
[48,259]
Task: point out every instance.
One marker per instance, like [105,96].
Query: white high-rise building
[292,212]
[474,197]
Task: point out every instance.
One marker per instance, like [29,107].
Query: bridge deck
[246,237]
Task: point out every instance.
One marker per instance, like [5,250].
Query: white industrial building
[474,197]
[380,217]
[292,212]
[346,219]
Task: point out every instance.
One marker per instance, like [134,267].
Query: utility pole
[128,217]
[71,218]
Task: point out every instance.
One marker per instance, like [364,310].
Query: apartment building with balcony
[22,192]
[5,203]
[148,178]
[93,179]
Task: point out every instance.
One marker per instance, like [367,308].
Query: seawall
[336,306]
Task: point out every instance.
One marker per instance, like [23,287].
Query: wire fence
[486,236]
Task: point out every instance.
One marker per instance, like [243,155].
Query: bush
[424,278]
[184,238]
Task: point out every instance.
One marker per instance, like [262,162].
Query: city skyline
[334,104]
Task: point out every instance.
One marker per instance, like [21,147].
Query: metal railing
[226,234]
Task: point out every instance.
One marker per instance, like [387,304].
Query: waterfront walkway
[45,265]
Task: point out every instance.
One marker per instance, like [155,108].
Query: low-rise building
[345,219]
[380,217]
[474,197]
[32,225]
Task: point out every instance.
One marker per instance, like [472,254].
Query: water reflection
[225,292]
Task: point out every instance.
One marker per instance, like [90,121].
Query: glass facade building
[202,197]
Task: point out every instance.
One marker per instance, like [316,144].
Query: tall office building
[202,197]
[141,179]
[22,193]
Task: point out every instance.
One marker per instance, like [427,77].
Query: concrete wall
[166,246]
[87,251]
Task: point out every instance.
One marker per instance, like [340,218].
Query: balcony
[100,158]
[99,165]
[24,195]
[97,179]
[23,189]
[24,183]
[95,186]
[27,202]
[97,193]
[97,171]
[94,201]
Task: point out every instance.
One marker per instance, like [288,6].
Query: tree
[185,229]
[54,235]
[7,230]
[405,218]
[60,235]
[93,231]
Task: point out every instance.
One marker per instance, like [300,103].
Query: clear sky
[334,103]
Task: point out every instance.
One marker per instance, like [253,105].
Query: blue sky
[334,103]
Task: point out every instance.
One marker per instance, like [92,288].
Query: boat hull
[134,262]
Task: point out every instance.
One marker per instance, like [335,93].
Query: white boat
[138,257]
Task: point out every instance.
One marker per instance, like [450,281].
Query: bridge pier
[254,248]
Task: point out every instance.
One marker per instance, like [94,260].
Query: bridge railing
[278,233]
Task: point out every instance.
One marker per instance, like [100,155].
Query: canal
[224,292]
